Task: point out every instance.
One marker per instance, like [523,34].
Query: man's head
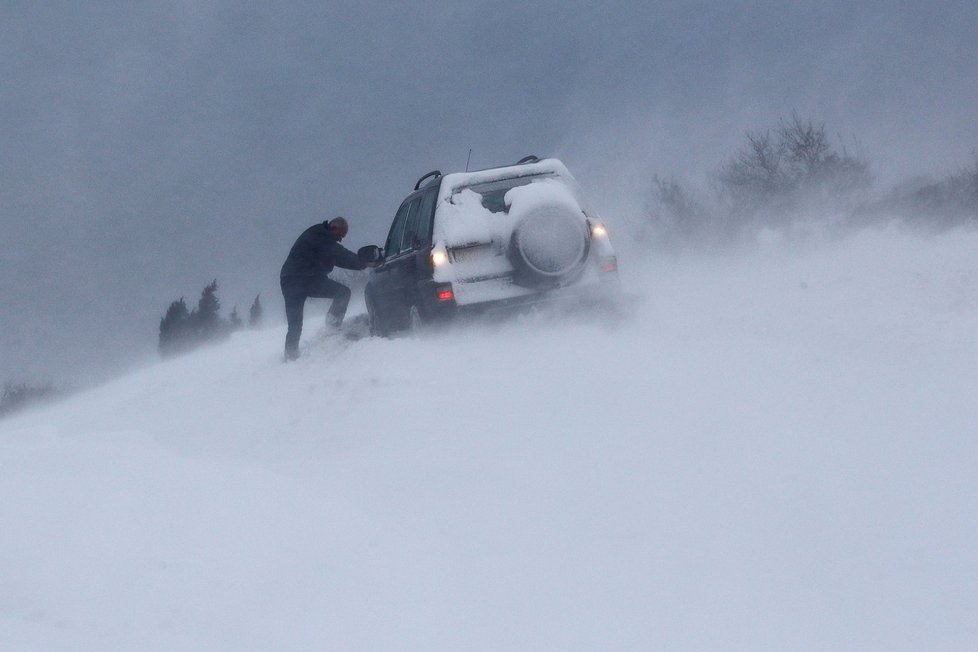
[338,227]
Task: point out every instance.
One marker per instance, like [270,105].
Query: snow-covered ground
[775,451]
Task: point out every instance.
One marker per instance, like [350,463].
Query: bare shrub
[17,396]
[775,177]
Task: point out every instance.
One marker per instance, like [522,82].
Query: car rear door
[395,275]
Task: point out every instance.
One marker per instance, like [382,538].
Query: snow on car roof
[469,220]
[465,219]
[455,181]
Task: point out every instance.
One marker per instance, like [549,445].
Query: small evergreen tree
[234,320]
[206,317]
[175,328]
[254,314]
[181,330]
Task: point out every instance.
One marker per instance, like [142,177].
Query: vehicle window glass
[425,216]
[393,246]
[411,226]
[493,193]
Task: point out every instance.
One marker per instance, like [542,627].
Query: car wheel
[377,326]
[549,246]
[417,324]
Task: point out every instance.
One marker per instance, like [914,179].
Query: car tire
[549,246]
[378,327]
[417,324]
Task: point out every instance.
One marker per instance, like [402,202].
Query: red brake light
[445,294]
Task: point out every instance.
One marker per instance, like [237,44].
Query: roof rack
[433,173]
[528,159]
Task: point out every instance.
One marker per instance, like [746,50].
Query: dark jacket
[316,252]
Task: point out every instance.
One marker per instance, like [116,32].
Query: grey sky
[148,147]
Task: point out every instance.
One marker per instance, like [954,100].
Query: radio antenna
[468,160]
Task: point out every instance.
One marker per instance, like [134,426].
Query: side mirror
[371,255]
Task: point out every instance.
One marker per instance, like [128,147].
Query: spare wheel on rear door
[549,245]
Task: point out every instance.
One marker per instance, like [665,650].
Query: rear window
[493,193]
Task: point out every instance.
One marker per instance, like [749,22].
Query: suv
[492,238]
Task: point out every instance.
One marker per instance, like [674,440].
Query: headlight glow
[598,230]
[438,258]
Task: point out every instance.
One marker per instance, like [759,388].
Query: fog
[148,148]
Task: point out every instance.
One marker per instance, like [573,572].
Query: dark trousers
[296,289]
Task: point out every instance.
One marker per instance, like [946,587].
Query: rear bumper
[501,294]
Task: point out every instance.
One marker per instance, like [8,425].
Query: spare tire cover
[549,244]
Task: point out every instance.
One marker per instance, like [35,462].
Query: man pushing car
[305,274]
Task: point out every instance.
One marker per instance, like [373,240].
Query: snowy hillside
[775,451]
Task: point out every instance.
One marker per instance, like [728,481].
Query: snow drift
[774,451]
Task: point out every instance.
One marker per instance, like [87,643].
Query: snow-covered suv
[492,238]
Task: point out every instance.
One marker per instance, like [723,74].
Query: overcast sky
[149,147]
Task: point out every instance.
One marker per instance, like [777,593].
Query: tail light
[444,293]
